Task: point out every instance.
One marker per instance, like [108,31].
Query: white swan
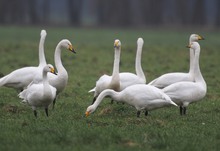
[184,93]
[140,96]
[124,79]
[106,81]
[170,78]
[60,80]
[20,78]
[40,94]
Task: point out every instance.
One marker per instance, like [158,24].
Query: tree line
[112,12]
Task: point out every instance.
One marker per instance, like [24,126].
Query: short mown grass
[112,126]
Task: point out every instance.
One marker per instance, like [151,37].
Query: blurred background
[112,13]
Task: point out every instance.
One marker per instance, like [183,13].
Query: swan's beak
[52,70]
[87,114]
[200,37]
[116,44]
[71,49]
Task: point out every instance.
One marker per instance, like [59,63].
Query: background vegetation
[111,127]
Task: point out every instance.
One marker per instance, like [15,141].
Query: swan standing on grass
[20,78]
[60,80]
[140,96]
[40,94]
[124,79]
[170,78]
[184,93]
[106,81]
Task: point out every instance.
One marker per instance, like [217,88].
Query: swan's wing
[170,78]
[183,91]
[128,79]
[19,78]
[102,83]
[92,90]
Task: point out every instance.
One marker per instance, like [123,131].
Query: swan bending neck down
[184,93]
[20,78]
[39,94]
[170,78]
[140,96]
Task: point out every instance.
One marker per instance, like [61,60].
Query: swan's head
[67,44]
[89,110]
[194,45]
[49,68]
[117,43]
[140,41]
[195,37]
[43,33]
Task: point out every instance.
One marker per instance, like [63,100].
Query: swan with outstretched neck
[141,96]
[170,78]
[40,94]
[184,93]
[119,81]
[20,78]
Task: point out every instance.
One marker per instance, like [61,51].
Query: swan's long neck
[198,76]
[46,86]
[138,67]
[115,81]
[107,92]
[58,63]
[191,59]
[42,59]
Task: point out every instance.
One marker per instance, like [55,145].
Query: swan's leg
[46,111]
[146,113]
[181,110]
[35,113]
[184,110]
[54,102]
[138,113]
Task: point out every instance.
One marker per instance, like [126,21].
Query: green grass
[111,127]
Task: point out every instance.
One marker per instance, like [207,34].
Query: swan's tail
[92,90]
[167,98]
[152,82]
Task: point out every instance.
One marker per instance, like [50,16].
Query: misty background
[111,13]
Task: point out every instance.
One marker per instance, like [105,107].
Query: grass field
[111,127]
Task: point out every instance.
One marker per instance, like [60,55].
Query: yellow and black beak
[71,49]
[200,37]
[87,114]
[116,44]
[52,70]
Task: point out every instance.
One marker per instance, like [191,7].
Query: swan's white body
[39,94]
[124,79]
[20,78]
[170,78]
[140,96]
[184,93]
